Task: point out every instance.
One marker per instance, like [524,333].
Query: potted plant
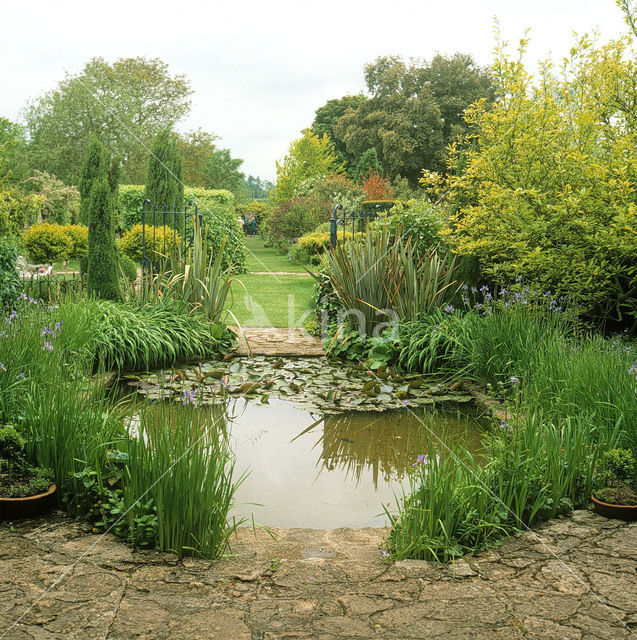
[25,490]
[616,495]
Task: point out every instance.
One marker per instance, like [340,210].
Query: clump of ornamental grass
[531,471]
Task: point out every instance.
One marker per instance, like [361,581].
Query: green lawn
[262,259]
[270,301]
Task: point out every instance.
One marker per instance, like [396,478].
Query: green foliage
[196,149]
[220,218]
[164,187]
[78,234]
[160,242]
[94,166]
[11,445]
[311,246]
[531,471]
[223,173]
[296,217]
[260,211]
[197,456]
[18,210]
[333,190]
[258,188]
[132,338]
[198,277]
[9,281]
[326,118]
[61,203]
[130,202]
[413,113]
[379,281]
[543,186]
[128,267]
[137,98]
[47,243]
[216,208]
[368,163]
[415,219]
[13,152]
[618,465]
[308,157]
[102,271]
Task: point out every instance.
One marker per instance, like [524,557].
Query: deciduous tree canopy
[124,104]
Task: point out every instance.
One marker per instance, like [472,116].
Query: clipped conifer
[102,276]
[164,186]
[94,165]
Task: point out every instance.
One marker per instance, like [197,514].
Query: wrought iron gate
[350,221]
[177,221]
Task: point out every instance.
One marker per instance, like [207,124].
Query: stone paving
[573,578]
[270,341]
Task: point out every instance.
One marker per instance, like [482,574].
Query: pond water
[334,471]
[317,453]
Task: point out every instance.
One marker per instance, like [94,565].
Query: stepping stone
[270,341]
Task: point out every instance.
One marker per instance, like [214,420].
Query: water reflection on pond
[337,471]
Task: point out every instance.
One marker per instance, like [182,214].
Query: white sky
[260,69]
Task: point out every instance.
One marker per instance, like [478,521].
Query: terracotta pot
[14,508]
[619,511]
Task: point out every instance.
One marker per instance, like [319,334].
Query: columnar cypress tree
[94,165]
[102,278]
[164,187]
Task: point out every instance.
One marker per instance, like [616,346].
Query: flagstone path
[270,341]
[574,578]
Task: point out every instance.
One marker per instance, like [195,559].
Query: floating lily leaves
[322,384]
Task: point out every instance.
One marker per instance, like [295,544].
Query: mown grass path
[274,293]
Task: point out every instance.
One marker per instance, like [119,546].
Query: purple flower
[503,292]
[514,380]
[33,301]
[21,375]
[47,346]
[2,367]
[503,426]
[422,459]
[448,308]
[22,296]
[189,397]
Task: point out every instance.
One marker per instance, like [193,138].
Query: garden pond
[325,445]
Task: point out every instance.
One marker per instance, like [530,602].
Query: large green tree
[12,152]
[124,104]
[164,185]
[196,149]
[310,156]
[326,118]
[413,112]
[223,173]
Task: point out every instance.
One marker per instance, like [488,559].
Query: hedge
[216,207]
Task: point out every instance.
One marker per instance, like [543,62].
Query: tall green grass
[182,462]
[375,275]
[132,338]
[586,376]
[174,480]
[533,471]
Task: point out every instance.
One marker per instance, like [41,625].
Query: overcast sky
[259,69]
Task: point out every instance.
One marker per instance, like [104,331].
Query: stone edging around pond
[572,578]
